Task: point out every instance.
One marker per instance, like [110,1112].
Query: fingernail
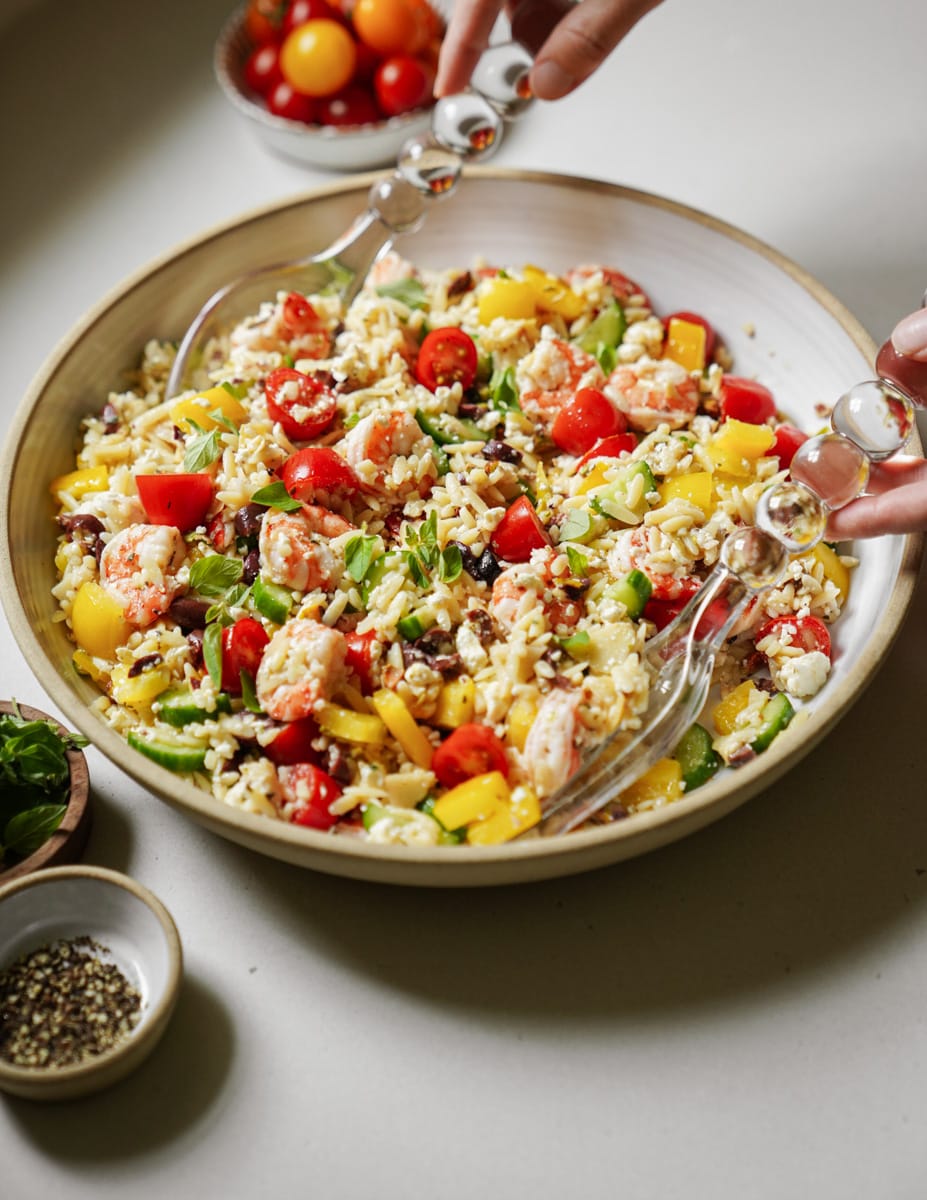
[909,337]
[549,81]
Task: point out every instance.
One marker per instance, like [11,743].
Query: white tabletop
[741,1014]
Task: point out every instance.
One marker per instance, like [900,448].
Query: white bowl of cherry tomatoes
[338,84]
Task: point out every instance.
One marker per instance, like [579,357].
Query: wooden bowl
[67,843]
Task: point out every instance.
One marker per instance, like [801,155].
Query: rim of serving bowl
[522,860]
[111,1065]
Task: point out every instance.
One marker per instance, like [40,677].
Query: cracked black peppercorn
[63,1004]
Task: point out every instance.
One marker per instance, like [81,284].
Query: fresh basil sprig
[202,449]
[358,555]
[215,574]
[275,495]
[408,291]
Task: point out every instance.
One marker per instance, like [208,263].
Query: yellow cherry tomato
[318,58]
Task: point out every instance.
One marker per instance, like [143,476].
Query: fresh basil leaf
[212,652]
[202,449]
[29,830]
[215,574]
[358,555]
[221,419]
[503,391]
[237,391]
[248,694]
[275,495]
[450,564]
[429,534]
[579,564]
[417,570]
[408,291]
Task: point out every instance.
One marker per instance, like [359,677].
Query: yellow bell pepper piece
[138,691]
[349,726]
[523,812]
[596,477]
[520,719]
[97,621]
[197,408]
[662,782]
[553,295]
[834,569]
[476,800]
[726,711]
[738,445]
[696,488]
[456,703]
[404,728]
[685,344]
[79,483]
[84,665]
[509,298]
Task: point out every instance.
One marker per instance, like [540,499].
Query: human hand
[569,40]
[897,499]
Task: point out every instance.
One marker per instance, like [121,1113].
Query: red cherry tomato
[354,106]
[622,287]
[299,316]
[447,356]
[360,657]
[303,404]
[746,400]
[695,319]
[470,750]
[519,532]
[301,11]
[585,420]
[365,66]
[263,20]
[283,101]
[242,648]
[788,439]
[610,447]
[316,471]
[402,84]
[809,633]
[293,744]
[262,68]
[317,792]
[180,500]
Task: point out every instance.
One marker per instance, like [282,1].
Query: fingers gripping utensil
[465,128]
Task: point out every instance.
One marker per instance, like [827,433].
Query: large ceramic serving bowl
[780,324]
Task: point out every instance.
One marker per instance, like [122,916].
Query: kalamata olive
[251,567]
[189,612]
[195,642]
[501,452]
[485,568]
[248,520]
[142,664]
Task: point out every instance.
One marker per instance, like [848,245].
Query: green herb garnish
[275,495]
[215,574]
[408,291]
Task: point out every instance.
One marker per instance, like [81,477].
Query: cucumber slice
[697,757]
[176,756]
[777,713]
[178,707]
[611,500]
[603,336]
[415,624]
[271,600]
[448,430]
[633,592]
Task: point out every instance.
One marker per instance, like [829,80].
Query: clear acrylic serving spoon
[464,128]
[871,423]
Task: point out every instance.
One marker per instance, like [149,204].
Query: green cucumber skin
[173,757]
[697,757]
[271,600]
[178,708]
[633,592]
[776,716]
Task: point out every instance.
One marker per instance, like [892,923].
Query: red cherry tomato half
[610,447]
[354,106]
[301,11]
[242,648]
[360,657]
[694,319]
[299,316]
[317,792]
[586,419]
[283,101]
[470,750]
[262,68]
[303,404]
[315,471]
[402,84]
[180,500]
[447,356]
[788,439]
[293,744]
[519,532]
[746,400]
[810,633]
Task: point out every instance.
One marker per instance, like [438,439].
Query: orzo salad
[389,572]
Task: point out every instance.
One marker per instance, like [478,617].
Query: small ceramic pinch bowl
[67,843]
[130,927]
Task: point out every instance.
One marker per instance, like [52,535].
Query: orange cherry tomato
[391,26]
[318,58]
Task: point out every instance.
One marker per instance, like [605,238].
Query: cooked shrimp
[295,550]
[519,587]
[302,666]
[391,455]
[642,549]
[550,376]
[654,392]
[390,268]
[550,757]
[293,327]
[138,567]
